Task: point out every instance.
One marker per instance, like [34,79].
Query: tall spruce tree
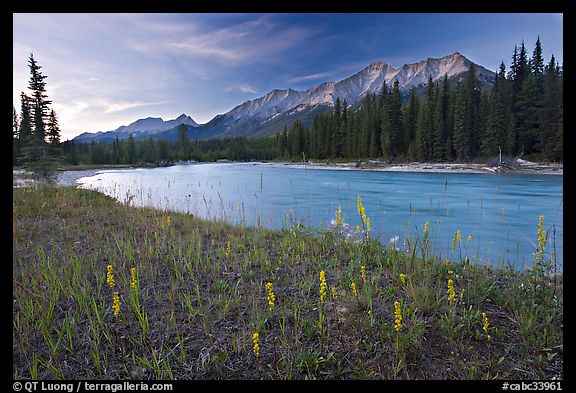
[338,134]
[36,155]
[425,124]
[551,114]
[499,119]
[442,121]
[395,121]
[467,117]
[527,111]
[537,63]
[409,119]
[183,143]
[53,133]
[385,120]
[39,99]
[25,127]
[130,150]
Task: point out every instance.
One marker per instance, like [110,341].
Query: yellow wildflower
[363,273]
[357,228]
[485,326]
[459,236]
[168,221]
[450,271]
[116,303]
[133,278]
[541,234]
[470,238]
[110,277]
[334,293]
[426,230]
[256,341]
[339,216]
[451,291]
[402,278]
[397,316]
[271,298]
[485,320]
[228,250]
[322,286]
[454,241]
[538,255]
[354,291]
[368,224]
[362,212]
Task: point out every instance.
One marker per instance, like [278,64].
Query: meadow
[103,290]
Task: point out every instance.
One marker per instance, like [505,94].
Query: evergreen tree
[130,150]
[514,65]
[70,151]
[163,148]
[53,129]
[337,146]
[15,141]
[410,117]
[425,125]
[467,115]
[183,143]
[523,69]
[36,155]
[39,99]
[385,121]
[537,63]
[25,128]
[442,121]
[551,115]
[53,134]
[499,118]
[116,151]
[15,124]
[395,121]
[527,111]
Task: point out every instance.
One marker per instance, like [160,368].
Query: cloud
[246,42]
[313,77]
[111,107]
[244,88]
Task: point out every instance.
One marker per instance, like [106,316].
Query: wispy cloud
[246,42]
[111,107]
[243,88]
[312,77]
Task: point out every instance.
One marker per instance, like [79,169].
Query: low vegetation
[102,290]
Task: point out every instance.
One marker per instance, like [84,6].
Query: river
[500,212]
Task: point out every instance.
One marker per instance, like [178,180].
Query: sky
[108,70]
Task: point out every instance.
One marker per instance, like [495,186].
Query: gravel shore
[528,168]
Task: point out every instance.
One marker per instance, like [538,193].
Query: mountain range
[269,114]
[139,129]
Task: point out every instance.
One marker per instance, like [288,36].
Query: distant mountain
[269,114]
[139,129]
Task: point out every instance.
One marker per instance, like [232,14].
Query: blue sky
[107,70]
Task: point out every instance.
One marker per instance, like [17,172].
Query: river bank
[521,167]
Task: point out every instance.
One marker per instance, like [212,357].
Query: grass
[199,295]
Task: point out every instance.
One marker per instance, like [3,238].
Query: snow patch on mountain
[367,81]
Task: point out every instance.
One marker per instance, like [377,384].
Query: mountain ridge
[140,128]
[259,116]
